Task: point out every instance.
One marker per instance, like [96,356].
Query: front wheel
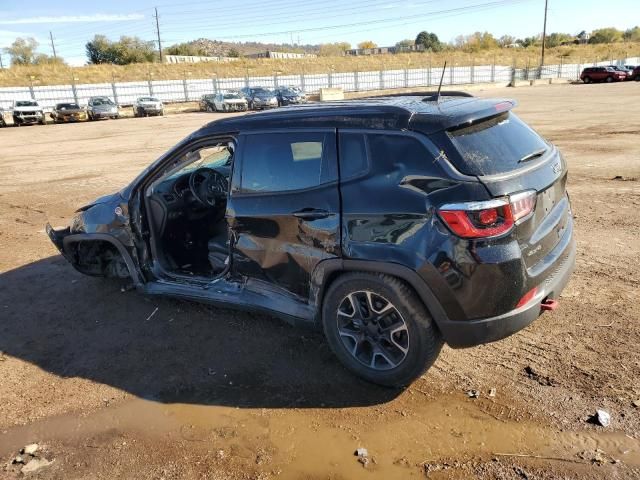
[379,328]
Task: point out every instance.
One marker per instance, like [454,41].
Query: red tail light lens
[478,219]
[488,218]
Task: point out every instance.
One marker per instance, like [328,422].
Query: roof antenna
[437,99]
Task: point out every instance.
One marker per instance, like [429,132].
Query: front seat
[219,251]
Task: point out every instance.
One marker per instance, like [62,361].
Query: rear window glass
[497,145]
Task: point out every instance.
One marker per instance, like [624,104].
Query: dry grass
[53,74]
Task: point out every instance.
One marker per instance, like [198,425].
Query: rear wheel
[587,79]
[379,329]
[609,79]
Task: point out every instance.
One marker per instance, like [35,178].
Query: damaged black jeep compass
[395,224]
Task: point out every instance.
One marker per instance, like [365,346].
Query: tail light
[487,218]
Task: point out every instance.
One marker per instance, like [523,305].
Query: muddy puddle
[297,443]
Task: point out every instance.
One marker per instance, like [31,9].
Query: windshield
[231,96]
[102,101]
[148,99]
[210,157]
[261,91]
[496,145]
[67,106]
[288,91]
[26,104]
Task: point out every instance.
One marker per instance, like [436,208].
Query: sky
[74,22]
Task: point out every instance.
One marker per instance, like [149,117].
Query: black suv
[394,224]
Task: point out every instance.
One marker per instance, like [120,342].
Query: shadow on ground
[77,326]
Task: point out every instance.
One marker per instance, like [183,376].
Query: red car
[602,74]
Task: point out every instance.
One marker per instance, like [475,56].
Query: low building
[195,59]
[384,50]
[280,55]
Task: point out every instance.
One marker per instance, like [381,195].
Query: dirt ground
[109,390]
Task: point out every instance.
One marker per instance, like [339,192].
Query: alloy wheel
[372,330]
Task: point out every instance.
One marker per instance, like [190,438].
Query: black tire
[587,80]
[421,338]
[609,79]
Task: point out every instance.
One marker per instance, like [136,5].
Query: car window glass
[211,157]
[353,154]
[287,161]
[386,149]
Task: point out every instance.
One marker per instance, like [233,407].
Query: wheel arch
[69,241]
[327,271]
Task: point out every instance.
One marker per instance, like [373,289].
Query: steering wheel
[208,186]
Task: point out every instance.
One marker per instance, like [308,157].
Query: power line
[371,22]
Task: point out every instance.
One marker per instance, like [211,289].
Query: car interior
[186,207]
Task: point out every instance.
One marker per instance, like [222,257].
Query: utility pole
[53,46]
[158,32]
[1,65]
[544,32]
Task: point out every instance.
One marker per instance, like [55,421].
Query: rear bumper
[468,333]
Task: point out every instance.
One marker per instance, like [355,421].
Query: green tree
[43,59]
[505,40]
[367,44]
[22,51]
[557,39]
[606,35]
[528,41]
[187,49]
[333,49]
[233,53]
[429,41]
[405,44]
[476,42]
[632,34]
[123,52]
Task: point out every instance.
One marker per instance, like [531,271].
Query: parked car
[230,102]
[259,98]
[206,102]
[3,122]
[624,69]
[27,112]
[602,74]
[101,107]
[393,224]
[146,106]
[289,96]
[68,112]
[635,75]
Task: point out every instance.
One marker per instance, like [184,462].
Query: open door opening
[186,209]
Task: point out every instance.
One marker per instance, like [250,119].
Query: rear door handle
[311,214]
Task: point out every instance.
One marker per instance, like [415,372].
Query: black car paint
[471,287]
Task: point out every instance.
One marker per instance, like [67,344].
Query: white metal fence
[125,93]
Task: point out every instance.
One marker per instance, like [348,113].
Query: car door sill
[248,296]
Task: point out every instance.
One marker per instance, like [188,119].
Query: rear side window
[353,155]
[280,162]
[387,149]
[497,145]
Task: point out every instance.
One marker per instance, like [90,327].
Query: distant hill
[220,48]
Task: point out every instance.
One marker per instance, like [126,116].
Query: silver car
[146,106]
[230,102]
[101,107]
